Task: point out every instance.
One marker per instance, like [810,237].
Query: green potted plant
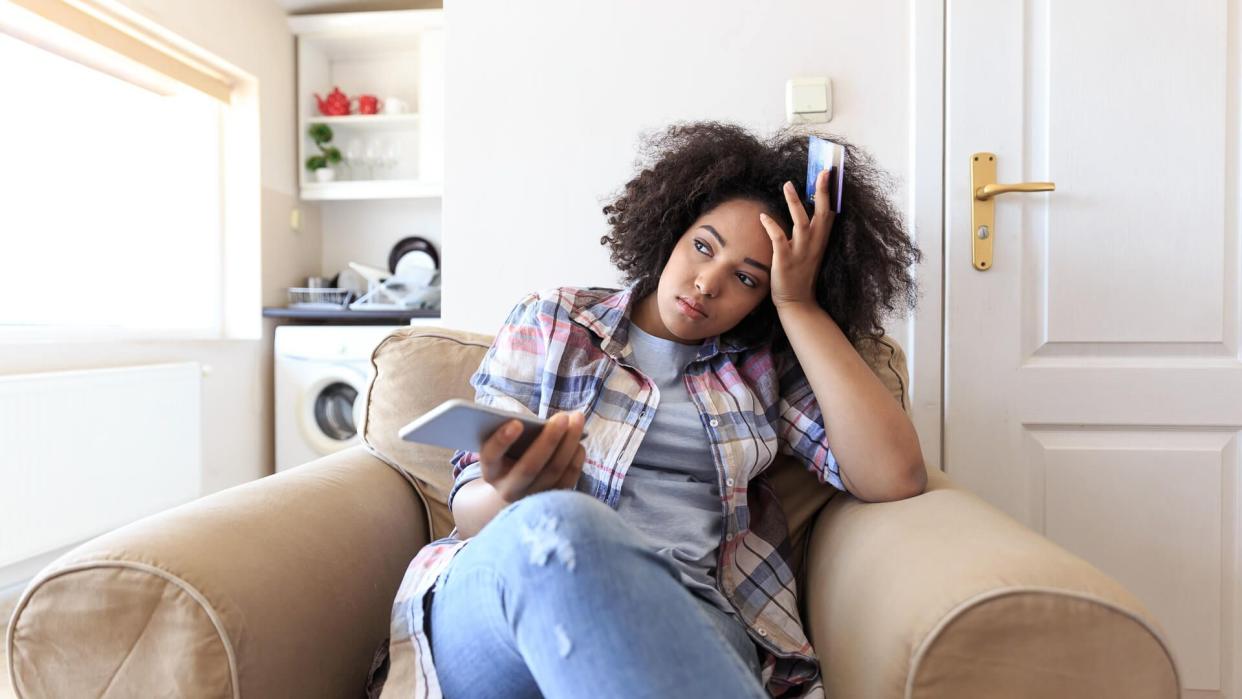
[321,164]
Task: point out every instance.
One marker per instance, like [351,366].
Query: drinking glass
[374,155]
[353,157]
[392,154]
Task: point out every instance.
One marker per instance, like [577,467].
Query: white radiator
[84,452]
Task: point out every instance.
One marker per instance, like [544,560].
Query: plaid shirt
[567,349]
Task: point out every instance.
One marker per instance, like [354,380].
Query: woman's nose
[706,285]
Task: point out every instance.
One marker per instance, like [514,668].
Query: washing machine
[321,378]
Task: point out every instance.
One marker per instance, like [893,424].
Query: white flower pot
[325,174]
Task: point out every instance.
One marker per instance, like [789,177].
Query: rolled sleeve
[511,374]
[802,432]
[467,474]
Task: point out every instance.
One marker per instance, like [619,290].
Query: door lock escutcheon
[983,188]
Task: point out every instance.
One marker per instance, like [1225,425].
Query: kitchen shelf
[389,54]
[371,189]
[374,121]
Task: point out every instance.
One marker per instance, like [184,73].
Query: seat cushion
[417,368]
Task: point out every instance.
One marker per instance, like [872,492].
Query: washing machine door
[330,410]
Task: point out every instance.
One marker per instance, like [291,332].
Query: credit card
[823,154]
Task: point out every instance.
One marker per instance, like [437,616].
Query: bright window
[112,200]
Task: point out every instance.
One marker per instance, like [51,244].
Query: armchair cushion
[416,369]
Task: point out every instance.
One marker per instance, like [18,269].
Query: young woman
[651,559]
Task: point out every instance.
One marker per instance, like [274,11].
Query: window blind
[109,29]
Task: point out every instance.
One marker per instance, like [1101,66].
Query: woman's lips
[689,310]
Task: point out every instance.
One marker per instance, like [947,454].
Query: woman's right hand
[553,460]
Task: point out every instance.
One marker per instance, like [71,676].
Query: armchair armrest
[282,586]
[943,595]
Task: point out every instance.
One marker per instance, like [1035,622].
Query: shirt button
[763,632]
[714,422]
[729,536]
[728,481]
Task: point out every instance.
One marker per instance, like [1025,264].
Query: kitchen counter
[344,315]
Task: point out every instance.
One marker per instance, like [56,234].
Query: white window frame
[108,36]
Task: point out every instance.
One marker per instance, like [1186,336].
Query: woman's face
[722,265]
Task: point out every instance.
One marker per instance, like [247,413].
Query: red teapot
[336,104]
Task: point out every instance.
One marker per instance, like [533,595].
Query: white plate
[416,266]
[415,277]
[349,279]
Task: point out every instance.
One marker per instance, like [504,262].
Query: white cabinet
[396,56]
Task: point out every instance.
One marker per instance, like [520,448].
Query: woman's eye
[698,245]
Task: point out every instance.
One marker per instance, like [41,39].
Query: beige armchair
[283,587]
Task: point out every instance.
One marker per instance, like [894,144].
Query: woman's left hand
[795,261]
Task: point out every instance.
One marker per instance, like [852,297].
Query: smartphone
[822,155]
[462,424]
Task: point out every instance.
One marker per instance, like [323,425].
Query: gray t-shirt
[671,492]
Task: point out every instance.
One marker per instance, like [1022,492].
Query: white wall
[546,100]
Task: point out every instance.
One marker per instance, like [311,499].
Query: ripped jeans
[555,597]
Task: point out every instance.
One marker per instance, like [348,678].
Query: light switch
[808,100]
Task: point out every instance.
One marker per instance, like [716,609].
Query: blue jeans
[557,597]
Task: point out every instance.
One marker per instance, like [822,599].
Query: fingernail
[763,216]
[511,430]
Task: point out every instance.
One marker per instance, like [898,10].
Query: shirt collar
[609,318]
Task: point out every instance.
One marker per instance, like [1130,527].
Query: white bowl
[415,276]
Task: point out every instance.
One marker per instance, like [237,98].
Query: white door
[1093,389]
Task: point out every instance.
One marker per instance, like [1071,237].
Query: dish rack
[397,294]
[308,297]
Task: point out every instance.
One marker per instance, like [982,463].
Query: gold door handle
[988,191]
[984,189]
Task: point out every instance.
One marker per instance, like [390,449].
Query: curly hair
[694,167]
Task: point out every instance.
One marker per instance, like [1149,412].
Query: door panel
[1093,388]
